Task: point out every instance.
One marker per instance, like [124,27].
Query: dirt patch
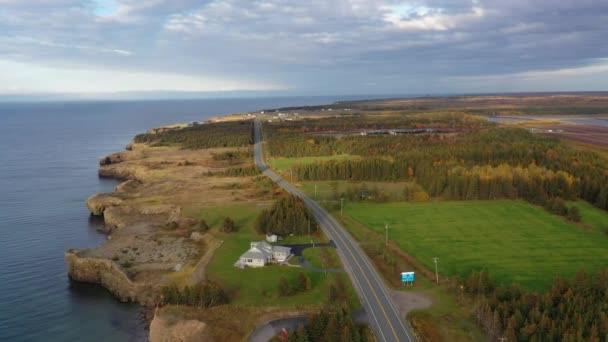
[407,301]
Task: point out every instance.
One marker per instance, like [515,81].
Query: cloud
[77,79]
[314,46]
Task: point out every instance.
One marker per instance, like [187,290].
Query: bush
[574,214]
[203,226]
[302,284]
[285,288]
[228,226]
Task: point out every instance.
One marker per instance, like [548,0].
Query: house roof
[285,250]
[254,254]
[264,250]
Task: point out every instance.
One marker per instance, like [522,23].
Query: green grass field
[592,216]
[258,286]
[322,257]
[281,164]
[512,240]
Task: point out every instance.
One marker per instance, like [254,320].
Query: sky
[112,47]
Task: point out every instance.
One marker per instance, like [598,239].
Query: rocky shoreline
[151,241]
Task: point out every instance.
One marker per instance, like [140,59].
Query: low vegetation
[322,257]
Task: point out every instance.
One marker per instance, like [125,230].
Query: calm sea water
[48,167]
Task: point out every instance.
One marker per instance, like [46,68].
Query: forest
[200,136]
[288,215]
[485,163]
[571,310]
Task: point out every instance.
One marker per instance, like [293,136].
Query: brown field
[593,135]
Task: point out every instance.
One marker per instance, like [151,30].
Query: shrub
[203,226]
[228,226]
[574,214]
[285,288]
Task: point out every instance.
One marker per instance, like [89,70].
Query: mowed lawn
[285,163]
[512,240]
[258,286]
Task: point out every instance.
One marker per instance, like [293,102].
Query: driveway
[298,249]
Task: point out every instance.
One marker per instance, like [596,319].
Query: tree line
[331,324]
[200,136]
[484,164]
[203,295]
[288,215]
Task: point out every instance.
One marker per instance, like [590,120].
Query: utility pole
[341,206]
[436,272]
[386,229]
[309,227]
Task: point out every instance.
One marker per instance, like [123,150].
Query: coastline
[150,240]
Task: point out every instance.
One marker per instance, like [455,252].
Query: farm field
[258,286]
[512,240]
[281,164]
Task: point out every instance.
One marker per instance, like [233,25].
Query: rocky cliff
[109,275]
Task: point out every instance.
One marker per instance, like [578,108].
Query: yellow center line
[334,229]
[368,283]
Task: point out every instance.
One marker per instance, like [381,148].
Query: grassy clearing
[221,321]
[281,164]
[317,237]
[445,320]
[258,286]
[322,257]
[328,190]
[513,240]
[592,217]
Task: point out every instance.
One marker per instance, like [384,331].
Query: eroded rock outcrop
[109,275]
[116,217]
[128,185]
[98,203]
[163,330]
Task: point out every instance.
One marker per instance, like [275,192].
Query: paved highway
[383,316]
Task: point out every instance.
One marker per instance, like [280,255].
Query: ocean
[48,167]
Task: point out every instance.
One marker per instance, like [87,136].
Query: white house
[262,253]
[271,237]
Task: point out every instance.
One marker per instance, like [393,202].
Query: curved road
[384,318]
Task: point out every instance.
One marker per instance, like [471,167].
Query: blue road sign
[408,277]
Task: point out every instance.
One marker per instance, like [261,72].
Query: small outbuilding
[271,237]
